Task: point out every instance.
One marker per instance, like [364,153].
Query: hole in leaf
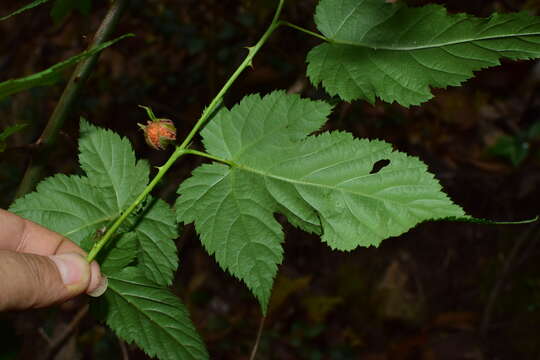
[379,165]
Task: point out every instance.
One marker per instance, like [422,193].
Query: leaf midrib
[330,187]
[431,46]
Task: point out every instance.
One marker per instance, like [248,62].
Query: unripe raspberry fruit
[158,133]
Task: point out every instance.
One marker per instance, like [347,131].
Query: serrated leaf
[121,253]
[152,317]
[68,205]
[156,231]
[52,74]
[396,53]
[78,206]
[109,161]
[32,5]
[235,223]
[325,183]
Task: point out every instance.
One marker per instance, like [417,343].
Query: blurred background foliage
[441,291]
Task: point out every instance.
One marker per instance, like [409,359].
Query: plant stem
[112,229]
[183,148]
[48,138]
[258,339]
[248,61]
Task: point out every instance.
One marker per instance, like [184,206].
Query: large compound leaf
[326,184]
[137,307]
[152,317]
[79,206]
[396,53]
[110,163]
[51,75]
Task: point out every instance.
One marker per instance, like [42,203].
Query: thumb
[32,281]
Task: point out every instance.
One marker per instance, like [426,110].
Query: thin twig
[123,349]
[57,342]
[507,267]
[258,339]
[47,139]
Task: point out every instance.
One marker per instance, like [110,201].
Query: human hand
[39,267]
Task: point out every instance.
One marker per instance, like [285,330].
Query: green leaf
[326,184]
[7,132]
[156,232]
[52,74]
[78,206]
[513,148]
[68,205]
[32,5]
[152,317]
[119,254]
[396,53]
[109,161]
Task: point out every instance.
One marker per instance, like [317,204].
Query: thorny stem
[183,148]
[248,61]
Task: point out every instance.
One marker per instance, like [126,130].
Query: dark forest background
[442,291]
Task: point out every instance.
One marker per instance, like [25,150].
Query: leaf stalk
[212,157]
[306,31]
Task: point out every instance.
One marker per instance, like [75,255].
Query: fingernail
[103,283]
[70,266]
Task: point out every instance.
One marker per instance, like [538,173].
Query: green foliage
[7,132]
[82,207]
[120,253]
[269,159]
[51,75]
[156,228]
[32,5]
[324,184]
[516,148]
[512,148]
[396,53]
[152,316]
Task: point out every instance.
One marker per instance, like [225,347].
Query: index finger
[21,235]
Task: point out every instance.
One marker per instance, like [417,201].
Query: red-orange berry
[159,133]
